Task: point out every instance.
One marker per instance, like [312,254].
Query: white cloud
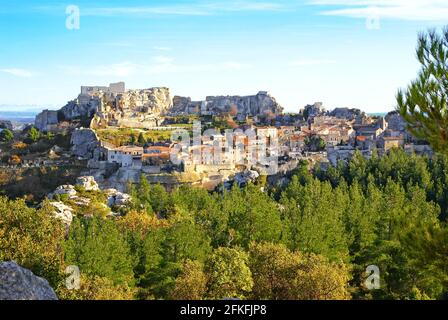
[18,72]
[163,59]
[416,10]
[310,62]
[160,65]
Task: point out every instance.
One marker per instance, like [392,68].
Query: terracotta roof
[361,138]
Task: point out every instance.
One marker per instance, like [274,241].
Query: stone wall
[46,119]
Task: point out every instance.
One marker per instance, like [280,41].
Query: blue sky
[345,53]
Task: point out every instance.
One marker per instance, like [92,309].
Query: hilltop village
[122,134]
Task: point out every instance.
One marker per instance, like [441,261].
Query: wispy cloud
[123,69]
[416,10]
[310,62]
[160,65]
[195,9]
[18,72]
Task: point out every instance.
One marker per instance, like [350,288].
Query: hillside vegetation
[312,239]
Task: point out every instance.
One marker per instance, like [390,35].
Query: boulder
[63,213]
[88,183]
[17,283]
[116,198]
[64,189]
[243,178]
[122,199]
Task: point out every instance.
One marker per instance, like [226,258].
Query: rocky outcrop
[346,113]
[260,104]
[88,183]
[17,283]
[84,142]
[184,105]
[146,108]
[85,106]
[61,190]
[63,213]
[134,108]
[395,121]
[116,198]
[311,111]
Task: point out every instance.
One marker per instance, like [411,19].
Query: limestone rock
[64,189]
[88,183]
[313,110]
[243,178]
[395,121]
[85,106]
[184,105]
[17,283]
[84,142]
[63,213]
[346,113]
[116,198]
[260,104]
[135,108]
[80,201]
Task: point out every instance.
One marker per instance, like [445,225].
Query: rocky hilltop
[134,108]
[99,107]
[260,104]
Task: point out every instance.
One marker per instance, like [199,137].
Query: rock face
[17,283]
[132,108]
[84,142]
[135,108]
[260,104]
[85,106]
[313,110]
[346,113]
[395,121]
[184,105]
[88,183]
[46,120]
